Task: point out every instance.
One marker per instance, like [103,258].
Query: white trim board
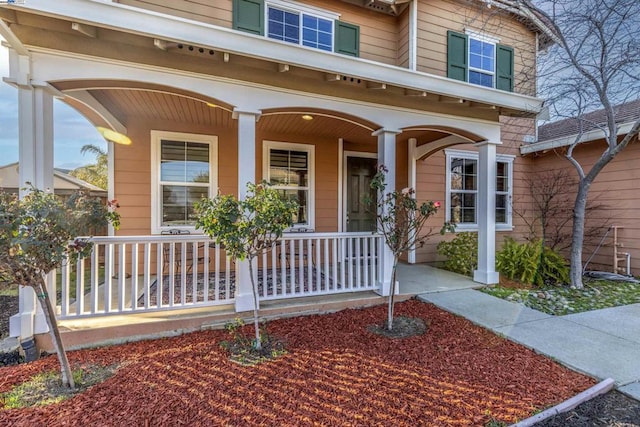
[56,65]
[566,141]
[345,155]
[155,138]
[171,28]
[310,149]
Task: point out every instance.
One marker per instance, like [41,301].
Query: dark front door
[360,216]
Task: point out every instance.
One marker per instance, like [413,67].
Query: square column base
[384,289]
[244,303]
[486,277]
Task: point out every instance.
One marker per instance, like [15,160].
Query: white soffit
[156,25]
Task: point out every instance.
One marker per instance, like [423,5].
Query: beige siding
[133,170]
[431,185]
[216,12]
[378,32]
[615,188]
[436,17]
[403,39]
[326,175]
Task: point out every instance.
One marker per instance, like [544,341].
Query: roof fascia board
[156,25]
[566,141]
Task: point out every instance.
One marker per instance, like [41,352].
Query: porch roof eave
[152,24]
[566,141]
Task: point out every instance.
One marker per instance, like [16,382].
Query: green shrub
[461,253]
[531,263]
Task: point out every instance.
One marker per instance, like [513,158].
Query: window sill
[499,227]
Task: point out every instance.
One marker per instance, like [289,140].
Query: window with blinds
[183,175]
[184,179]
[289,170]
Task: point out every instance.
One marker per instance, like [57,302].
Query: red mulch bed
[335,374]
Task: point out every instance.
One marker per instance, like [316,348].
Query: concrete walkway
[420,278]
[601,343]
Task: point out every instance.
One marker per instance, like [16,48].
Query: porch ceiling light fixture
[211,105]
[307,117]
[113,136]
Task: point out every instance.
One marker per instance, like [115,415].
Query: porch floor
[85,332]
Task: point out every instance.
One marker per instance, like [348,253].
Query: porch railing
[151,273]
[320,264]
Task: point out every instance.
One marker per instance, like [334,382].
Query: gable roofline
[581,129]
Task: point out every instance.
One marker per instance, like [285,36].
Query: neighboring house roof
[628,112]
[10,178]
[588,126]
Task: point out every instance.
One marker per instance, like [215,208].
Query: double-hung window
[298,27]
[479,59]
[482,58]
[297,23]
[289,168]
[184,170]
[462,189]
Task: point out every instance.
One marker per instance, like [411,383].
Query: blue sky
[71,129]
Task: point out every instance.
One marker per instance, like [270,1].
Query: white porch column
[387,157]
[486,214]
[35,156]
[246,173]
[411,159]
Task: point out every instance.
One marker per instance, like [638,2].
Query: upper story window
[480,59]
[297,23]
[299,28]
[289,168]
[462,189]
[184,170]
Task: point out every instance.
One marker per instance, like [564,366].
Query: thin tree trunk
[256,324]
[577,240]
[49,315]
[392,294]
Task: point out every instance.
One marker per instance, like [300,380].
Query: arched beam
[85,98]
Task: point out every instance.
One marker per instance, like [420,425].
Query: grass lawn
[72,282]
[558,301]
[334,373]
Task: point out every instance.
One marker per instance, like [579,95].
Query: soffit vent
[388,7]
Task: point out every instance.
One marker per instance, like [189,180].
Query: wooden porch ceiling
[155,104]
[152,103]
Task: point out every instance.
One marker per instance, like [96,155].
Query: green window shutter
[457,54]
[504,68]
[347,39]
[248,16]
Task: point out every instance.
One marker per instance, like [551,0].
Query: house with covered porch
[305,94]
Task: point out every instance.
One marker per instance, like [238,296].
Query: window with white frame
[462,189]
[289,168]
[184,170]
[299,24]
[482,60]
